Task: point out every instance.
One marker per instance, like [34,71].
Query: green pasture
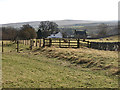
[38,69]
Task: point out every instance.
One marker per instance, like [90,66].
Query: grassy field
[58,68]
[72,27]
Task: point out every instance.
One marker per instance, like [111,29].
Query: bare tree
[9,33]
[27,32]
[46,28]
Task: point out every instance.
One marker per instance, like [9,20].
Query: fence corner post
[78,43]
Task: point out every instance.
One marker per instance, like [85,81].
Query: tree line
[28,32]
[45,29]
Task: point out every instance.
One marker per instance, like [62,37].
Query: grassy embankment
[59,68]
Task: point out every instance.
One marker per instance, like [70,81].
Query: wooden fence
[67,43]
[74,43]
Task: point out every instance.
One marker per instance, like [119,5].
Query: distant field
[73,27]
[58,68]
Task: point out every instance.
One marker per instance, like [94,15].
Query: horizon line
[61,20]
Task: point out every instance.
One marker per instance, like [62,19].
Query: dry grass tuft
[86,57]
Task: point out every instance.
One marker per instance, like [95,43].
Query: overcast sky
[13,11]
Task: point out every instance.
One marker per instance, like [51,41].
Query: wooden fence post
[78,43]
[50,42]
[118,46]
[2,46]
[88,44]
[17,46]
[27,42]
[60,43]
[40,43]
[43,42]
[31,44]
[24,42]
[36,42]
[69,43]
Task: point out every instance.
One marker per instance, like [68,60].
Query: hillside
[59,22]
[35,24]
[70,25]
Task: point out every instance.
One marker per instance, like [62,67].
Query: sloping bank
[86,58]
